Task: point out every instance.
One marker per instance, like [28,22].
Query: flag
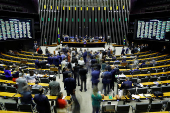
[58,36]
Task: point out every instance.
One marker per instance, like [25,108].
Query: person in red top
[61,104]
[38,48]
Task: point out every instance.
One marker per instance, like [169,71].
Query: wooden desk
[7,94]
[1,111]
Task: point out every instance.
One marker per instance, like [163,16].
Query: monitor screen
[15,28]
[153,29]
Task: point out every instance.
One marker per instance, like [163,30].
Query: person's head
[81,58]
[41,90]
[84,50]
[31,72]
[7,68]
[60,95]
[137,68]
[54,78]
[17,68]
[126,79]
[113,67]
[37,82]
[26,88]
[95,90]
[46,47]
[86,35]
[106,69]
[69,75]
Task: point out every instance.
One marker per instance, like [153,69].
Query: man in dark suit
[43,105]
[40,51]
[113,72]
[123,51]
[37,63]
[95,77]
[69,85]
[84,56]
[26,96]
[56,61]
[50,60]
[108,67]
[65,73]
[83,77]
[46,51]
[126,84]
[106,81]
[76,73]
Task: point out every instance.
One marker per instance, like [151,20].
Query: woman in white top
[81,61]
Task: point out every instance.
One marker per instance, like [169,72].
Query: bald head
[113,67]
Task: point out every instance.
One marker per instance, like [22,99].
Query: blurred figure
[46,51]
[36,86]
[106,81]
[75,102]
[21,82]
[83,77]
[153,62]
[95,77]
[96,98]
[123,51]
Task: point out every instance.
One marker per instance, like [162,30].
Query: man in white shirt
[100,57]
[64,62]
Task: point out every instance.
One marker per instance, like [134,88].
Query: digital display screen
[12,28]
[155,29]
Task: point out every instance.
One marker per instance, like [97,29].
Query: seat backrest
[134,80]
[2,88]
[35,91]
[132,90]
[162,78]
[25,107]
[144,71]
[126,73]
[145,65]
[136,72]
[152,79]
[122,108]
[110,108]
[3,77]
[165,88]
[152,71]
[142,107]
[11,106]
[11,89]
[142,90]
[156,107]
[44,80]
[144,80]
[155,89]
[168,106]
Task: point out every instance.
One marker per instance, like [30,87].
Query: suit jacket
[54,88]
[106,77]
[37,63]
[65,74]
[95,76]
[108,67]
[55,61]
[83,73]
[113,72]
[46,51]
[26,97]
[50,60]
[42,102]
[40,51]
[70,84]
[123,51]
[126,85]
[21,82]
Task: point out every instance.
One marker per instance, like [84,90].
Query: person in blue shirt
[56,61]
[106,81]
[37,63]
[63,56]
[137,69]
[7,73]
[124,60]
[95,77]
[143,62]
[50,60]
[127,50]
[123,51]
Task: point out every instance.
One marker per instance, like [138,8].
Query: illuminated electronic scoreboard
[11,28]
[155,29]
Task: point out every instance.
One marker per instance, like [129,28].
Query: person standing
[83,77]
[76,104]
[43,105]
[46,51]
[76,73]
[15,74]
[113,72]
[108,40]
[50,60]
[69,85]
[21,82]
[95,77]
[123,51]
[85,55]
[54,87]
[96,98]
[106,80]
